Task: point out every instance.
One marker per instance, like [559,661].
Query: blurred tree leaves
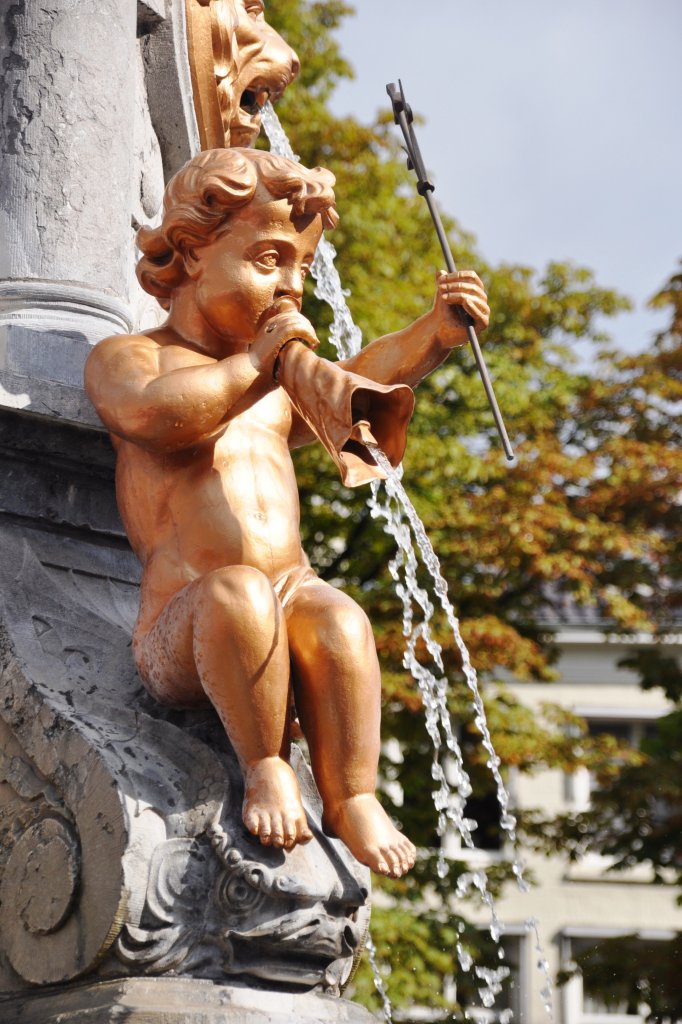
[589,514]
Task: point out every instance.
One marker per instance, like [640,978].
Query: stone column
[67,95]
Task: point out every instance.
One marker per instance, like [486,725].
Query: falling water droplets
[378,980]
[493,978]
[466,961]
[396,491]
[402,523]
[547,993]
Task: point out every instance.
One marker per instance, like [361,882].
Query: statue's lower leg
[224,637]
[242,657]
[337,685]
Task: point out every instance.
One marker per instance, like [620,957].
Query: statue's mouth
[255,94]
[321,937]
[253,100]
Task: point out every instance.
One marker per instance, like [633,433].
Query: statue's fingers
[466,287]
[457,277]
[479,313]
[297,326]
[462,293]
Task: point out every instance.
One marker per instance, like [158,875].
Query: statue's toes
[393,859]
[407,853]
[305,834]
[252,820]
[276,831]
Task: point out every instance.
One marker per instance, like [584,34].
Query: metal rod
[403,117]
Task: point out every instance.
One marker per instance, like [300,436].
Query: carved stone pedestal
[130,890]
[175,1001]
[123,857]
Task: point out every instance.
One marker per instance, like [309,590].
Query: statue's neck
[187,322]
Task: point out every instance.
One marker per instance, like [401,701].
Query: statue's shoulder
[121,345]
[120,357]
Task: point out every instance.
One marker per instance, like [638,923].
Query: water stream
[400,520]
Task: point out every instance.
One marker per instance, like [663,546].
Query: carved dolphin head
[301,921]
[220,905]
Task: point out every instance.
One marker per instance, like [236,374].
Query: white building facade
[578,904]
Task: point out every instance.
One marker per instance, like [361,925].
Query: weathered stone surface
[174,1001]
[168,88]
[51,473]
[66,94]
[95,100]
[122,851]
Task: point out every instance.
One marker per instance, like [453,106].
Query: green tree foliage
[635,815]
[588,511]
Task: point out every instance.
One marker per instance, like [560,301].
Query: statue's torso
[229,501]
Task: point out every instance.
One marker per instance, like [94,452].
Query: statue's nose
[351,936]
[281,54]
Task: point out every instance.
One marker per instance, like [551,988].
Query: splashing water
[532,926]
[400,522]
[344,334]
[378,980]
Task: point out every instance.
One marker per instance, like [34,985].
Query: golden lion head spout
[238,62]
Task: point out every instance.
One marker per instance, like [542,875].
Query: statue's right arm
[169,410]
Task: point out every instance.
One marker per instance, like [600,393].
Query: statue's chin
[243,134]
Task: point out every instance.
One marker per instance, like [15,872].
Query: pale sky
[554,129]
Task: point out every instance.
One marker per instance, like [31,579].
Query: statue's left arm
[408,356]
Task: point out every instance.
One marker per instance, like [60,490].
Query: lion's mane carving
[238,62]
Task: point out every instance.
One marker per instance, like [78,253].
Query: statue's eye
[269,259]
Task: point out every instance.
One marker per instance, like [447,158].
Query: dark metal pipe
[403,117]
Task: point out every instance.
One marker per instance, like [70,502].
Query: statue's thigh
[323,622]
[164,655]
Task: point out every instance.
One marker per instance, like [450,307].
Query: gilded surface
[231,611]
[238,62]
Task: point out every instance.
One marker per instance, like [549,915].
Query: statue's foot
[272,808]
[370,835]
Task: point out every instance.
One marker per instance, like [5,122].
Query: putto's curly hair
[200,198]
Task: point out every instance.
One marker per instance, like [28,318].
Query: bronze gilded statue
[238,62]
[203,411]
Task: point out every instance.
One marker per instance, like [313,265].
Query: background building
[577,904]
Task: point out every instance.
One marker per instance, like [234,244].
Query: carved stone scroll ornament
[122,851]
[238,62]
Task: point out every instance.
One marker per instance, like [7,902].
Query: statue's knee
[348,630]
[238,590]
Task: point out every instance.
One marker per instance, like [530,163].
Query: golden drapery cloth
[346,411]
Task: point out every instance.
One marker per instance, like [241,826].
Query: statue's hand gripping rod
[402,113]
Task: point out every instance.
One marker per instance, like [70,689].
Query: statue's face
[261,258]
[252,64]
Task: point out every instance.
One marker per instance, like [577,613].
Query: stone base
[176,1001]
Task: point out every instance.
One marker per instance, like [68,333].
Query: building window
[580,785]
[607,984]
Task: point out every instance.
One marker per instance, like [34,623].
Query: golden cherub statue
[202,418]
